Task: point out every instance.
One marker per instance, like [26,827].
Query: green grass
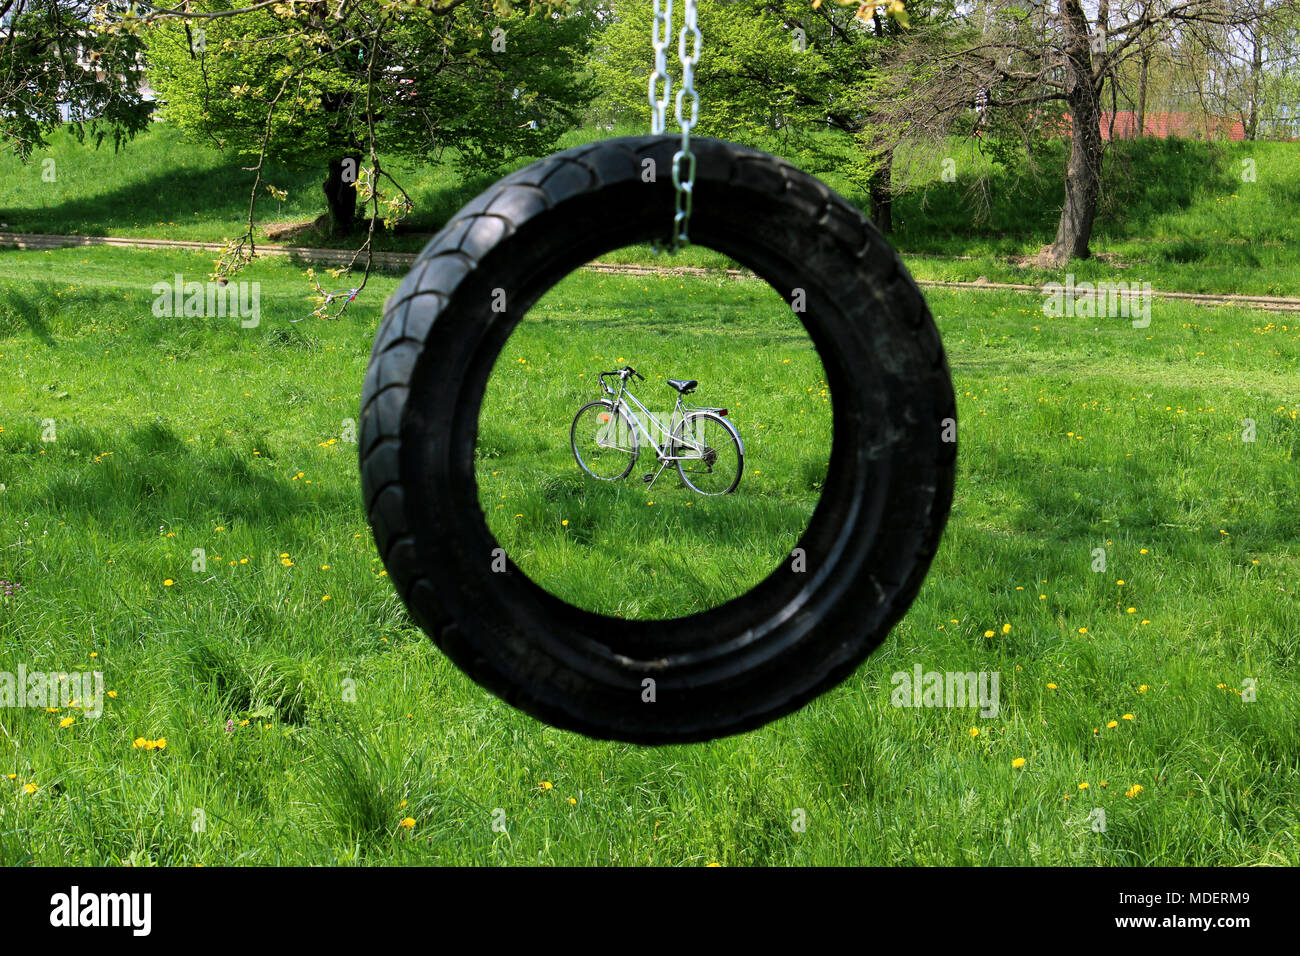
[179,434]
[1173,213]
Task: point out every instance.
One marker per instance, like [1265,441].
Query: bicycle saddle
[685,386]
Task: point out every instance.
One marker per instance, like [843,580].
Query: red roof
[1173,125]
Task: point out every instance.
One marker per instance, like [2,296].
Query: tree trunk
[1256,69]
[882,197]
[1142,93]
[1083,171]
[341,194]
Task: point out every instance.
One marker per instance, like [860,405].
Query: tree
[1025,56]
[303,87]
[57,69]
[769,68]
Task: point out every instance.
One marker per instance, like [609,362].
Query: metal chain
[660,31]
[683,159]
[686,186]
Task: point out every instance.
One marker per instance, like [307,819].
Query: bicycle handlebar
[623,373]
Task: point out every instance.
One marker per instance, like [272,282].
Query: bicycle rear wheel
[604,441]
[712,456]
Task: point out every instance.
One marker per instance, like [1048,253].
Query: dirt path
[397,260]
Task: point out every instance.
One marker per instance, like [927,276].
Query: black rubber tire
[740,450]
[573,442]
[871,537]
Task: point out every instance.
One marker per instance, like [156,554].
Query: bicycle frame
[662,452]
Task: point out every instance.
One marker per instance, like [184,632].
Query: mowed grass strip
[307,721]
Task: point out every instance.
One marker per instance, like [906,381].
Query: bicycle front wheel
[604,441]
[710,455]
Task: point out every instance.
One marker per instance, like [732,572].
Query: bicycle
[606,437]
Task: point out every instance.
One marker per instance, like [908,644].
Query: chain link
[683,159]
[660,31]
[686,185]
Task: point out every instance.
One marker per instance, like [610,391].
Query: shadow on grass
[1144,181]
[218,192]
[18,307]
[153,478]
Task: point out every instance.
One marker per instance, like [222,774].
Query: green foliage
[50,56]
[488,87]
[752,77]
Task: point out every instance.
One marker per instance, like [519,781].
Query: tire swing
[888,485]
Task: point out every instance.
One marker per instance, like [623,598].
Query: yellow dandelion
[1128,717]
[573,801]
[1006,628]
[1083,786]
[168,583]
[974,731]
[1112,725]
[546,784]
[1083,630]
[1051,687]
[30,788]
[988,633]
[1134,790]
[1018,762]
[67,721]
[408,823]
[1143,689]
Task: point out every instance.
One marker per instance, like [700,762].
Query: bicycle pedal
[647,478]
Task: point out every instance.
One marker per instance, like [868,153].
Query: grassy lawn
[1174,213]
[304,717]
